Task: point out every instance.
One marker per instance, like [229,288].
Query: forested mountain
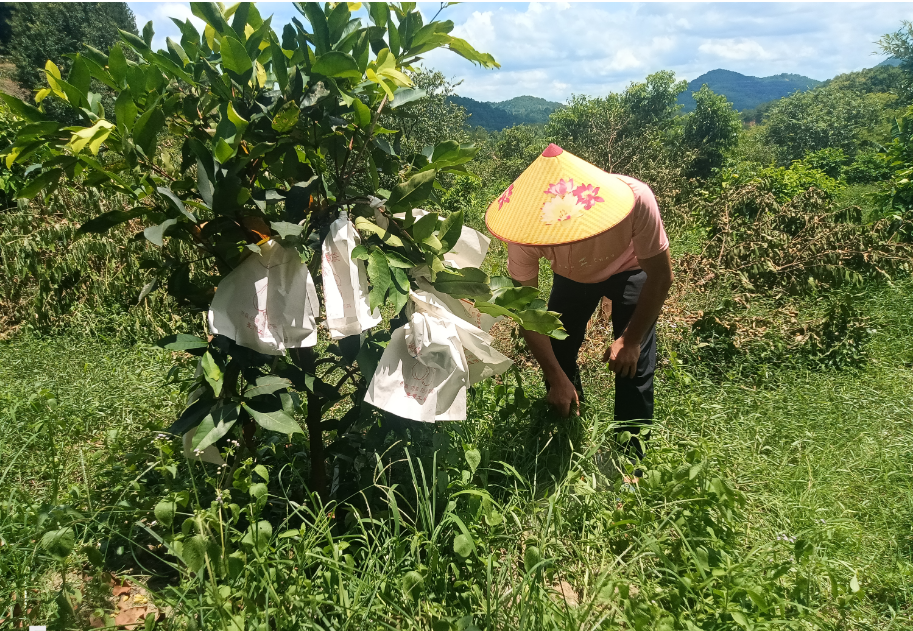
[744,91]
[495,116]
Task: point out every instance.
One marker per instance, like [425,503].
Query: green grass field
[823,457]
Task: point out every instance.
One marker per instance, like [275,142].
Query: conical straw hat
[559,199]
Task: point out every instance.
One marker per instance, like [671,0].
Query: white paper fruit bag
[428,364]
[345,282]
[268,303]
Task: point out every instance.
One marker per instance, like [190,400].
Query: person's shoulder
[639,188]
[644,199]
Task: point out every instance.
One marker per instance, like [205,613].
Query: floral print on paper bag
[568,202]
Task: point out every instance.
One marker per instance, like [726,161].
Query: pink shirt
[640,235]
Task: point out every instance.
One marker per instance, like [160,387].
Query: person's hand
[622,357]
[563,396]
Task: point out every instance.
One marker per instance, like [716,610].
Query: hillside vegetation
[495,116]
[776,488]
[744,91]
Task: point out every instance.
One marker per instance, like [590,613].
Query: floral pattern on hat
[505,196]
[568,202]
[588,195]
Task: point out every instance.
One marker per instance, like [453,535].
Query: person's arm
[561,394]
[624,352]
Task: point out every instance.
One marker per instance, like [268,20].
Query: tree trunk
[304,359]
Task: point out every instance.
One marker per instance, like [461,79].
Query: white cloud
[737,49]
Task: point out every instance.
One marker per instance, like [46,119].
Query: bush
[868,167]
[822,118]
[710,131]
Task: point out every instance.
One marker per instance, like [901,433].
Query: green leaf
[337,64]
[156,234]
[22,109]
[425,227]
[59,543]
[45,180]
[473,459]
[135,42]
[399,292]
[414,585]
[450,231]
[148,33]
[379,12]
[267,385]
[394,259]
[108,220]
[542,321]
[182,342]
[215,425]
[740,618]
[315,15]
[238,121]
[285,229]
[495,310]
[146,130]
[117,65]
[362,114]
[379,274]
[170,68]
[463,49]
[276,421]
[361,253]
[366,225]
[468,282]
[236,60]
[404,96]
[90,137]
[210,13]
[34,130]
[125,110]
[178,203]
[165,512]
[178,52]
[411,193]
[262,471]
[515,298]
[212,372]
[286,118]
[258,536]
[224,151]
[194,552]
[79,76]
[531,558]
[463,545]
[280,65]
[190,417]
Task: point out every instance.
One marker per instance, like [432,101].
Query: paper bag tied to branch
[345,282]
[429,363]
[268,303]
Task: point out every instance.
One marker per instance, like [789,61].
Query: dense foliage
[52,30]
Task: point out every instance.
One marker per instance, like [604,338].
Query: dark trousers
[576,303]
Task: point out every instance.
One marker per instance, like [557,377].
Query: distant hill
[746,92]
[495,116]
[890,61]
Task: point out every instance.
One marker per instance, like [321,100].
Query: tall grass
[782,503]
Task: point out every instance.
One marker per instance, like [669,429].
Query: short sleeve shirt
[638,236]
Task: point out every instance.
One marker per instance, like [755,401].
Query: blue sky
[553,50]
